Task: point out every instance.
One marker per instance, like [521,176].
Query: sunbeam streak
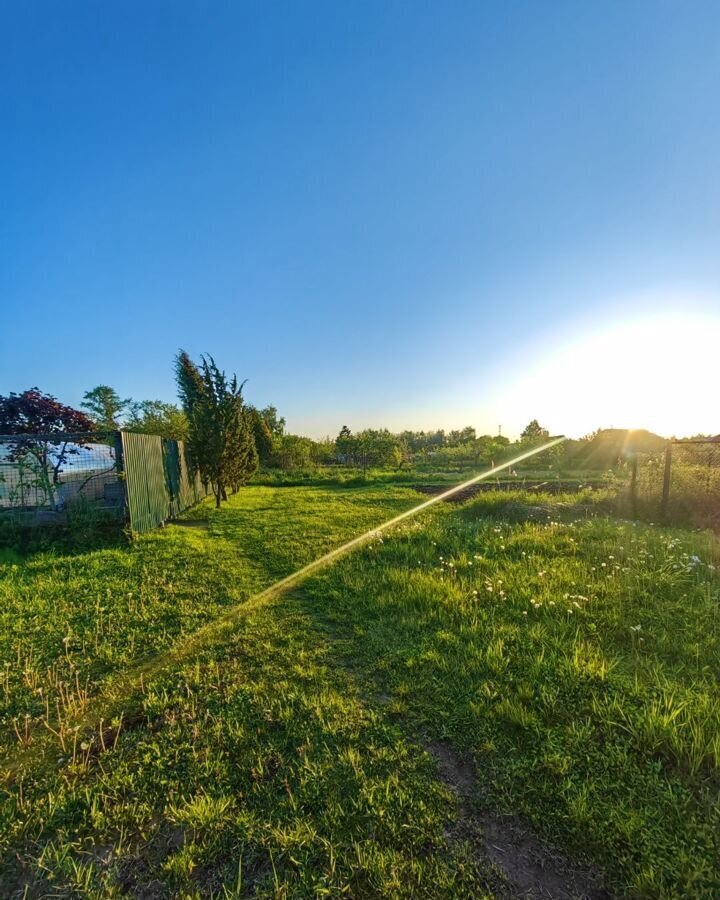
[115,696]
[321,561]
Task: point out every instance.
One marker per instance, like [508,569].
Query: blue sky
[378,213]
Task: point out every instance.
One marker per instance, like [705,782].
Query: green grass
[694,496]
[351,476]
[70,620]
[419,473]
[577,661]
[280,751]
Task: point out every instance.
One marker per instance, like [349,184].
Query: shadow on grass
[21,541]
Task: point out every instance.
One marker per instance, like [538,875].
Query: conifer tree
[190,390]
[221,438]
[105,407]
[189,382]
[263,435]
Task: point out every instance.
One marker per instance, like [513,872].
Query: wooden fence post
[666,482]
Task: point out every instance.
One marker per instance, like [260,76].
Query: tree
[401,454]
[293,452]
[368,448]
[190,390]
[534,431]
[189,382]
[35,417]
[241,455]
[262,434]
[489,448]
[158,417]
[380,448]
[275,423]
[345,446]
[466,436]
[105,407]
[220,430]
[323,452]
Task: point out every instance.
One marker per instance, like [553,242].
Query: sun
[655,372]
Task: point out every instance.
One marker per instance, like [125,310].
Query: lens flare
[114,697]
[321,561]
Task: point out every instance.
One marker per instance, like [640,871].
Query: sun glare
[657,373]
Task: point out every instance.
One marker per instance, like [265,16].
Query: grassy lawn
[574,659]
[569,661]
[71,620]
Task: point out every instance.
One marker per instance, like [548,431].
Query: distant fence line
[678,485]
[142,479]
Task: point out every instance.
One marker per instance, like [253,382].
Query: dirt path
[532,868]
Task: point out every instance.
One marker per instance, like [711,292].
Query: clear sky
[381,214]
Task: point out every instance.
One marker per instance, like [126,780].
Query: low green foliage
[280,751]
[575,658]
[347,476]
[694,495]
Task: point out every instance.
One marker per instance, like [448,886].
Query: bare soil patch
[533,869]
[482,487]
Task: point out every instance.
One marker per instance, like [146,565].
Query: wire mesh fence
[694,488]
[679,485]
[43,476]
[143,480]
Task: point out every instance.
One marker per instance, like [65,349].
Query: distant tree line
[371,448]
[109,413]
[227,438]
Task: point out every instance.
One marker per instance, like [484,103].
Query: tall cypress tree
[189,382]
[262,434]
[221,439]
[190,391]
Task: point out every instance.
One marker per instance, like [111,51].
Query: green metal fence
[158,479]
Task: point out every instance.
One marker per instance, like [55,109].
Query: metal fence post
[120,466]
[633,486]
[666,482]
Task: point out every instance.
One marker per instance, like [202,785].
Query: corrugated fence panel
[158,480]
[171,461]
[191,488]
[147,493]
